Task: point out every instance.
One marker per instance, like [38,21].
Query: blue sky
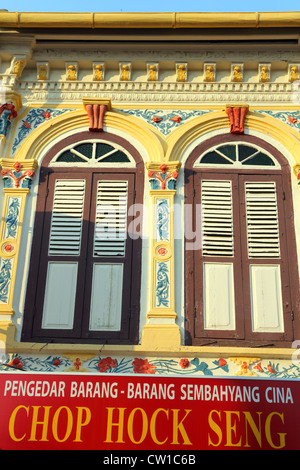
[152,5]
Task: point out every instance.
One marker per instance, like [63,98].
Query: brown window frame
[33,311]
[243,334]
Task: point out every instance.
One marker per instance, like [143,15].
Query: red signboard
[118,412]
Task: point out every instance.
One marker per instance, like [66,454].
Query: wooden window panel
[233,259]
[125,260]
[280,260]
[45,258]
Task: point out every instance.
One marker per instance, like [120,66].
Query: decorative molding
[11,228]
[42,71]
[15,98]
[163,176]
[181,72]
[7,112]
[152,72]
[165,120]
[237,115]
[293,72]
[96,113]
[18,65]
[264,73]
[18,175]
[137,363]
[5,279]
[161,327]
[128,91]
[34,118]
[71,71]
[51,357]
[209,73]
[89,52]
[98,71]
[237,72]
[244,363]
[125,72]
[162,285]
[12,219]
[72,120]
[96,110]
[162,220]
[297,173]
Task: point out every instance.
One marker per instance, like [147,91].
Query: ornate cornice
[158,92]
[172,20]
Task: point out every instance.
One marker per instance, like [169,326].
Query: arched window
[237,155]
[93,153]
[240,277]
[84,278]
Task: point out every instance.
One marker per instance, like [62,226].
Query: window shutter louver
[67,216]
[217,218]
[111,218]
[262,220]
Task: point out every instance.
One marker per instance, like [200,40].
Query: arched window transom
[237,155]
[93,153]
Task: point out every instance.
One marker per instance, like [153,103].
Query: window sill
[8,335]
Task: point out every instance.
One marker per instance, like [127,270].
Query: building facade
[150,193]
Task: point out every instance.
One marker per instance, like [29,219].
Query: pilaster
[161,328]
[17,181]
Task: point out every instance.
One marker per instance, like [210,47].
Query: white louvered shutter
[111,218]
[217,218]
[262,220]
[67,216]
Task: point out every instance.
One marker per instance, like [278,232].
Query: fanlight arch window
[93,153]
[237,155]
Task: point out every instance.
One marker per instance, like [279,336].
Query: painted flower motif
[222,362]
[271,369]
[26,124]
[157,119]
[163,168]
[142,366]
[244,366]
[292,120]
[176,119]
[184,363]
[16,362]
[56,361]
[77,363]
[258,367]
[162,251]
[46,115]
[8,248]
[106,363]
[17,166]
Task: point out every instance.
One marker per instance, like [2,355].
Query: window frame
[236,164]
[56,164]
[193,269]
[33,310]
